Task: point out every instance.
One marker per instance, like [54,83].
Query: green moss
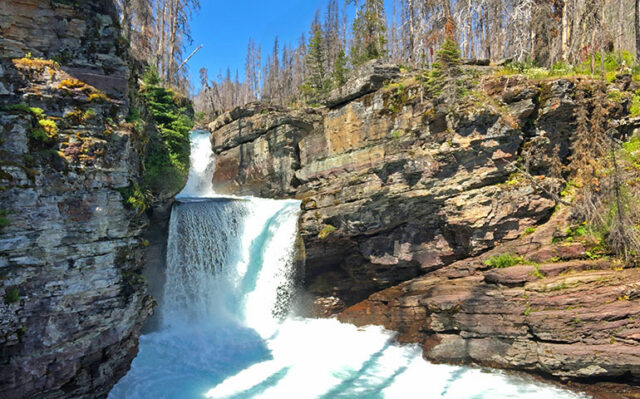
[529,230]
[615,96]
[326,231]
[89,114]
[577,231]
[4,221]
[537,273]
[12,295]
[396,134]
[635,104]
[633,145]
[504,260]
[98,97]
[50,127]
[22,107]
[558,287]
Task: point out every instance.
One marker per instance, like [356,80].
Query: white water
[224,334]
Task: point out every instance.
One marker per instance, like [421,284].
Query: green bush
[635,104]
[167,162]
[4,221]
[504,260]
[150,76]
[12,296]
[135,198]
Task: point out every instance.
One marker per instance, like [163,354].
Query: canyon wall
[71,252]
[406,194]
[393,183]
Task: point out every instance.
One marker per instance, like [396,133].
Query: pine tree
[446,70]
[369,32]
[316,83]
[340,69]
[448,60]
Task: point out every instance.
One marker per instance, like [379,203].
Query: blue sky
[224,27]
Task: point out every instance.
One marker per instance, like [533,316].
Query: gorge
[228,329]
[403,235]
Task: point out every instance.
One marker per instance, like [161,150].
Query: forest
[557,34]
[347,33]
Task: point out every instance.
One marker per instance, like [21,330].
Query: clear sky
[225,26]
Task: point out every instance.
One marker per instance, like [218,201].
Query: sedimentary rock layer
[394,182]
[566,316]
[70,250]
[407,194]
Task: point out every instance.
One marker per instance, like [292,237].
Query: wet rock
[327,306]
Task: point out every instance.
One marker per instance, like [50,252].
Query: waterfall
[226,331]
[202,167]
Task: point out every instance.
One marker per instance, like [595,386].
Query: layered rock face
[70,250]
[567,316]
[401,189]
[393,184]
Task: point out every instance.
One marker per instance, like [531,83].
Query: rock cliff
[565,315]
[406,195]
[71,252]
[393,184]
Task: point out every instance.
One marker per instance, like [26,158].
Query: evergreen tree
[448,60]
[369,32]
[316,82]
[446,70]
[340,69]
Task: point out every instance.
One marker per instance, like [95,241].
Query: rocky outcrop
[257,150]
[567,316]
[364,80]
[410,198]
[396,183]
[71,251]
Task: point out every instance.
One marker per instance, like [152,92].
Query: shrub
[504,260]
[4,221]
[135,198]
[150,76]
[12,295]
[167,161]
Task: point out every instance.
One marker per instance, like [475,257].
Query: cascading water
[224,334]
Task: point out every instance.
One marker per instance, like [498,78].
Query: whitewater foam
[224,332]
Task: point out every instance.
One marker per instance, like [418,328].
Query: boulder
[365,79]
